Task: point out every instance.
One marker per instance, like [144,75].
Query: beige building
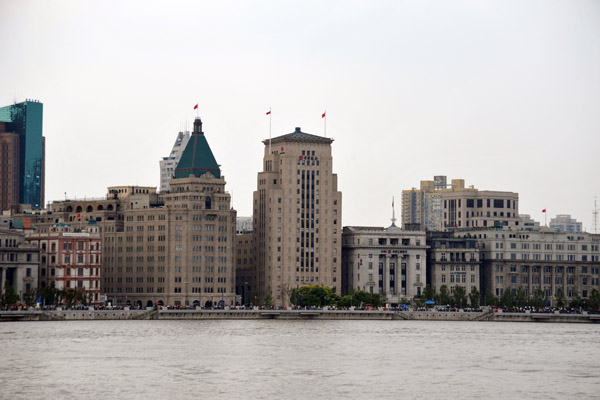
[297,216]
[388,261]
[543,260]
[453,261]
[174,248]
[438,206]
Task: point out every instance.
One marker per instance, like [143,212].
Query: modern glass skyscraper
[26,120]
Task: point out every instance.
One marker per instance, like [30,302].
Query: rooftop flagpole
[269,114]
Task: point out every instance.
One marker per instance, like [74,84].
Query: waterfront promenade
[209,314]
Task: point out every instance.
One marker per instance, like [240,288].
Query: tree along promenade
[486,314]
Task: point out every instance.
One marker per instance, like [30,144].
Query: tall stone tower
[297,217]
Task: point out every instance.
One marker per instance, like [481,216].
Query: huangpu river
[258,359]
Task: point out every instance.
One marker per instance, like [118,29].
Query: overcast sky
[505,95]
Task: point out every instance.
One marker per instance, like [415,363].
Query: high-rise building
[297,217]
[564,223]
[437,206]
[168,164]
[22,155]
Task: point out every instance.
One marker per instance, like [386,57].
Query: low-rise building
[543,260]
[70,259]
[564,223]
[388,261]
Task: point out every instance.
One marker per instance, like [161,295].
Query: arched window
[89,209]
[208,203]
[78,209]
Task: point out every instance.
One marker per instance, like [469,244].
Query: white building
[564,223]
[168,164]
[388,261]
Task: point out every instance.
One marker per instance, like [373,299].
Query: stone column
[386,270]
[3,281]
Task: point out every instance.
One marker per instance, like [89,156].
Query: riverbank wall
[380,315]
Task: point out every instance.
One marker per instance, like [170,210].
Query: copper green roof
[299,136]
[197,158]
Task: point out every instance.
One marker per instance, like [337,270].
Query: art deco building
[245,270]
[543,260]
[174,248]
[168,164]
[70,259]
[22,155]
[438,206]
[297,216]
[388,261]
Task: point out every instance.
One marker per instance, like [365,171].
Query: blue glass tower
[26,119]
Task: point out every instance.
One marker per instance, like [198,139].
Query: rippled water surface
[298,360]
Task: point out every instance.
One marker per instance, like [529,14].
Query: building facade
[543,260]
[169,164]
[19,262]
[388,261]
[297,221]
[452,261]
[245,270]
[441,207]
[69,259]
[25,120]
[174,248]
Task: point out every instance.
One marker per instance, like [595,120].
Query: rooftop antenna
[595,215]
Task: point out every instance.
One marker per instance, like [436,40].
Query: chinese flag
[79,215]
[544,210]
[268,112]
[196,107]
[323,116]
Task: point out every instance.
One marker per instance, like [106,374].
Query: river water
[233,359]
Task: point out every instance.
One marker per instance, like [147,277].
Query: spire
[197,158]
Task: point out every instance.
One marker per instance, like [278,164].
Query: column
[386,275]
[3,281]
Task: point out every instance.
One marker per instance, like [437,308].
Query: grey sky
[503,94]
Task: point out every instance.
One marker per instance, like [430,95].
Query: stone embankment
[200,314]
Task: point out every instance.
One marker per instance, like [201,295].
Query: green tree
[537,300]
[268,300]
[429,293]
[474,297]
[9,297]
[507,299]
[29,297]
[490,299]
[444,295]
[460,296]
[593,301]
[575,301]
[560,298]
[520,298]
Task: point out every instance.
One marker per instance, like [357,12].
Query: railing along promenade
[308,314]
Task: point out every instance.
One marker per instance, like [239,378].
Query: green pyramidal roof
[197,158]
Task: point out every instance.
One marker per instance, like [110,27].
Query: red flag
[196,107]
[268,112]
[323,116]
[79,215]
[544,210]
